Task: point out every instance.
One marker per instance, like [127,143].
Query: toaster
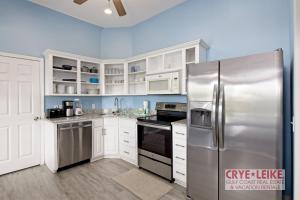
[55,113]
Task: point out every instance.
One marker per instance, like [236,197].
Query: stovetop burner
[161,119]
[166,114]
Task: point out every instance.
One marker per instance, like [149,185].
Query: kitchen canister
[61,89]
[70,89]
[54,88]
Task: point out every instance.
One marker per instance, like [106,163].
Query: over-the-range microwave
[167,83]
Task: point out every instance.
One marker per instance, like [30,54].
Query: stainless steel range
[155,138]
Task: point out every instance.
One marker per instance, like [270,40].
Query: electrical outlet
[93,106]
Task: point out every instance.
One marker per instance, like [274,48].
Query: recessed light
[108,11]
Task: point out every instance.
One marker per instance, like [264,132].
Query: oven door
[155,138]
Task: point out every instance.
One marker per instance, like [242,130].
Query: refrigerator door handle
[214,116]
[221,117]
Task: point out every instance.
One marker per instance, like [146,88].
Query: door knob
[36,118]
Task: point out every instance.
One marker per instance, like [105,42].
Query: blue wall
[137,101]
[29,29]
[116,43]
[52,102]
[231,28]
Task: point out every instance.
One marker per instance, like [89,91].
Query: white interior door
[20,104]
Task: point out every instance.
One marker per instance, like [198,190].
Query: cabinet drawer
[97,122]
[127,141]
[179,144]
[127,123]
[179,172]
[128,152]
[129,132]
[179,132]
[179,156]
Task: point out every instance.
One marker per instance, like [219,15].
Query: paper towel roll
[146,107]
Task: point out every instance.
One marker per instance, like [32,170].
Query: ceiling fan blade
[120,8]
[79,1]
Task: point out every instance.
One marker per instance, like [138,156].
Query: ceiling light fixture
[108,10]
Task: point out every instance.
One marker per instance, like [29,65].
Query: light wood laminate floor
[91,181]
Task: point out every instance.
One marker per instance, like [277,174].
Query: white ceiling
[92,10]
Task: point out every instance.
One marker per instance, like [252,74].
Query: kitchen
[119,70]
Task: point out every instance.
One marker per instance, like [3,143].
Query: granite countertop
[85,117]
[91,116]
[180,122]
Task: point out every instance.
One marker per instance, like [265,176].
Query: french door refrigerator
[234,122]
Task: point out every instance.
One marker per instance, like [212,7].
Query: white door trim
[42,82]
[296,99]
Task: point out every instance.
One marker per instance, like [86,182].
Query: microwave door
[159,84]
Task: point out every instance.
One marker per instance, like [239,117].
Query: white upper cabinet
[173,60]
[136,77]
[155,64]
[72,75]
[89,78]
[114,78]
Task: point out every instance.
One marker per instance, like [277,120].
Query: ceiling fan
[118,4]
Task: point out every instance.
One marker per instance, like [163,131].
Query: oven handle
[154,126]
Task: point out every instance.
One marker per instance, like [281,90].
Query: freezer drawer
[74,143]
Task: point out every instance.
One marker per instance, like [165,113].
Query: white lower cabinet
[98,139]
[110,132]
[179,153]
[128,140]
[113,137]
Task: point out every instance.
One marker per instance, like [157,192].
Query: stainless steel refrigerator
[234,122]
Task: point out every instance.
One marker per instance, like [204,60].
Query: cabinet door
[98,149]
[110,140]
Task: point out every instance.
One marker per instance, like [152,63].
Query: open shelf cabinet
[74,75]
[114,78]
[137,77]
[64,75]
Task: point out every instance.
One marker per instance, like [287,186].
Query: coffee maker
[68,107]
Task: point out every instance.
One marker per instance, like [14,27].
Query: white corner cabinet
[96,77]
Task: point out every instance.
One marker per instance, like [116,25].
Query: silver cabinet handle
[69,128]
[180,173]
[126,152]
[221,117]
[103,131]
[179,158]
[86,126]
[75,127]
[126,132]
[126,141]
[179,133]
[178,145]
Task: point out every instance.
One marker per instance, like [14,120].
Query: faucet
[116,104]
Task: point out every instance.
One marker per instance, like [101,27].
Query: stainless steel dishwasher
[74,143]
